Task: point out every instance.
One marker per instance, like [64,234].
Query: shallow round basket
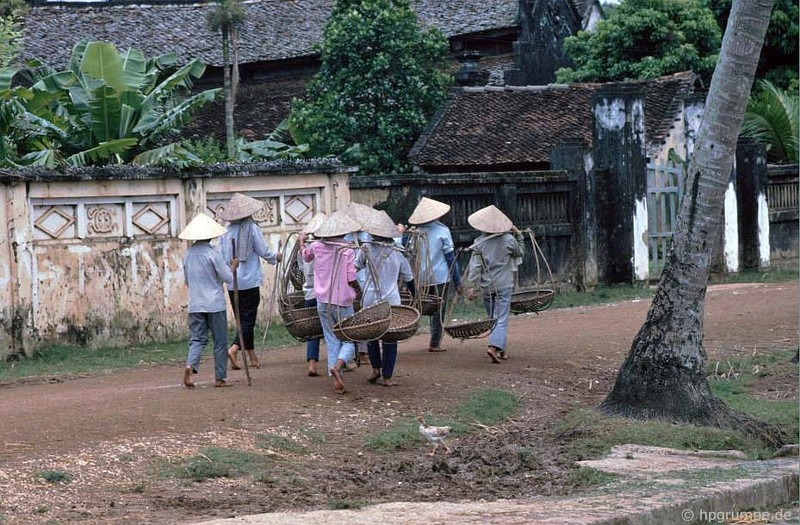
[429,304]
[533,300]
[367,324]
[470,329]
[302,323]
[403,324]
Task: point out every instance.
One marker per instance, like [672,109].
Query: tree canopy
[644,39]
[380,80]
[778,62]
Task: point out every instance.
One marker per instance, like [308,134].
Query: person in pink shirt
[335,286]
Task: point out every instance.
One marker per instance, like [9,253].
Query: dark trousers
[386,365]
[436,319]
[312,345]
[248,308]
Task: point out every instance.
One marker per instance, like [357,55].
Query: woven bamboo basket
[367,324]
[470,329]
[404,323]
[429,304]
[406,298]
[302,323]
[296,276]
[532,300]
[293,300]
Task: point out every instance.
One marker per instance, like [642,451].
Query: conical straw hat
[336,225]
[359,212]
[240,207]
[428,210]
[202,228]
[314,223]
[380,224]
[490,220]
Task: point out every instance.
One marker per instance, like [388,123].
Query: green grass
[216,463]
[586,477]
[734,389]
[590,435]
[54,476]
[66,360]
[278,442]
[772,275]
[485,407]
[602,295]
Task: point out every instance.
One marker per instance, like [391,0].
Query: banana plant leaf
[102,61]
[6,75]
[170,155]
[102,152]
[154,124]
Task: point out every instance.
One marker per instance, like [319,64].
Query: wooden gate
[664,192]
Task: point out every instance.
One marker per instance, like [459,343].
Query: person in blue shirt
[437,264]
[245,234]
[204,272]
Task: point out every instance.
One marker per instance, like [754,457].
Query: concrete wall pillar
[620,167]
[574,157]
[753,213]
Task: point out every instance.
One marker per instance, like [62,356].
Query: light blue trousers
[329,315]
[199,325]
[498,306]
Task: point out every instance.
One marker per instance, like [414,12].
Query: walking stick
[238,318]
[271,306]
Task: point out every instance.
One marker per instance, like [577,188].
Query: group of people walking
[340,272]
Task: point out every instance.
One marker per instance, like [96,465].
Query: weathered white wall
[641,255]
[764,248]
[98,262]
[731,230]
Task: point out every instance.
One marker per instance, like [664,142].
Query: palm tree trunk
[235,66]
[227,88]
[662,376]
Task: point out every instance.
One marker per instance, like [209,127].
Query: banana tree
[107,107]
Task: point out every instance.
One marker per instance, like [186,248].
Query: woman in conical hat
[495,255]
[310,300]
[245,234]
[437,262]
[335,286]
[204,271]
[389,266]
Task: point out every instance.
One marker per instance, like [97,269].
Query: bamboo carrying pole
[237,317]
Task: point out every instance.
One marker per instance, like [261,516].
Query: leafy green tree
[778,62]
[10,33]
[105,108]
[773,117]
[380,81]
[644,39]
[226,19]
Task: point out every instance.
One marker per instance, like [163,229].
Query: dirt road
[114,432]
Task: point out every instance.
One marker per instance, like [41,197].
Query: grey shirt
[204,272]
[494,261]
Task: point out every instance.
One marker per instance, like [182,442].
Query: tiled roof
[490,126]
[496,126]
[274,29]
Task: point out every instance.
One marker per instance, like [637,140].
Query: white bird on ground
[434,435]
